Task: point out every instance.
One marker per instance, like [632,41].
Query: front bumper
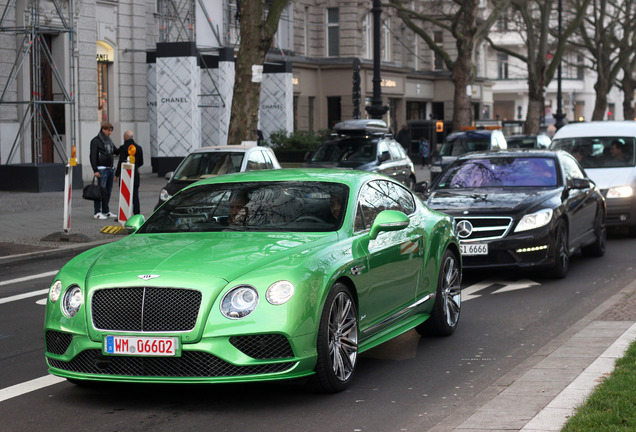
[621,212]
[217,359]
[525,250]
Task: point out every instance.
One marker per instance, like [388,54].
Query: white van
[607,152]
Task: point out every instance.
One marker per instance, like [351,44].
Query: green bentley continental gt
[257,276]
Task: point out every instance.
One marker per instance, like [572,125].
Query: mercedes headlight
[620,192]
[239,302]
[72,301]
[279,292]
[534,220]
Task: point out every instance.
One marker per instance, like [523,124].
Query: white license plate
[141,345]
[468,249]
[436,168]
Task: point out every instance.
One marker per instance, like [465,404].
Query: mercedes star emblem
[464,229]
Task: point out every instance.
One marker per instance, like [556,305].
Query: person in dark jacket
[130,149]
[101,156]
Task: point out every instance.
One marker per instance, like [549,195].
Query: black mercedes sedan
[521,208]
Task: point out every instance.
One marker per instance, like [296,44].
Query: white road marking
[24,279]
[23,296]
[27,278]
[470,292]
[29,386]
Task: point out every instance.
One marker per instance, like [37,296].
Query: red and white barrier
[68,187]
[126,182]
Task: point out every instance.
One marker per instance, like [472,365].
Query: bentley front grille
[190,364]
[144,309]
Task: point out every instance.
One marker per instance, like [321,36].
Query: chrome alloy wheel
[343,336]
[451,290]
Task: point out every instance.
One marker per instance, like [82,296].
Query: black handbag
[92,191]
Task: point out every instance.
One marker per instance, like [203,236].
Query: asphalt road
[408,384]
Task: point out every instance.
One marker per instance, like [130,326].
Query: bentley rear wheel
[448,299]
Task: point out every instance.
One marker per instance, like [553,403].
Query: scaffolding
[34,107]
[178,24]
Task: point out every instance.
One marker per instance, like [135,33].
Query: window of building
[306,31]
[502,66]
[415,110]
[438,62]
[333,32]
[580,67]
[334,110]
[105,57]
[503,21]
[367,28]
[385,55]
[310,113]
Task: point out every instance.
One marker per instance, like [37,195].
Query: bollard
[126,181]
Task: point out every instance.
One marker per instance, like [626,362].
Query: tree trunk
[536,102]
[602,88]
[628,95]
[461,78]
[245,101]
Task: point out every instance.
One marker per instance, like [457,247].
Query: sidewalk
[27,218]
[537,396]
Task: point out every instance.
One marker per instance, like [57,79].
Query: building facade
[116,60]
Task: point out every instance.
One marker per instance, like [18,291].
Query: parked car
[365,145]
[217,160]
[607,151]
[528,141]
[521,208]
[460,143]
[257,276]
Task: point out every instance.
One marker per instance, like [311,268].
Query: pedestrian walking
[132,152]
[102,152]
[425,152]
[404,138]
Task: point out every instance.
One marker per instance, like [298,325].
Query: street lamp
[559,116]
[376,110]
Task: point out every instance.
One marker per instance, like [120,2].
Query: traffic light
[439,126]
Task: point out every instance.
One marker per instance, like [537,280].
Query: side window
[571,168]
[394,150]
[255,161]
[268,160]
[377,196]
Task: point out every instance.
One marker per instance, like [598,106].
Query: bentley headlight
[239,302]
[620,192]
[534,220]
[164,195]
[55,291]
[279,292]
[72,301]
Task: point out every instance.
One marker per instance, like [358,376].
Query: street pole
[559,114]
[376,110]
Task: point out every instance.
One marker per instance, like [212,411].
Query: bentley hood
[222,255]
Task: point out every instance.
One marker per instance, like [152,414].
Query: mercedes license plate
[468,249]
[141,345]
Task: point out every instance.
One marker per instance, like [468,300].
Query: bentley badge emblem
[464,229]
[147,277]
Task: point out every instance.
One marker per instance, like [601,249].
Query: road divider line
[28,278]
[29,386]
[23,296]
